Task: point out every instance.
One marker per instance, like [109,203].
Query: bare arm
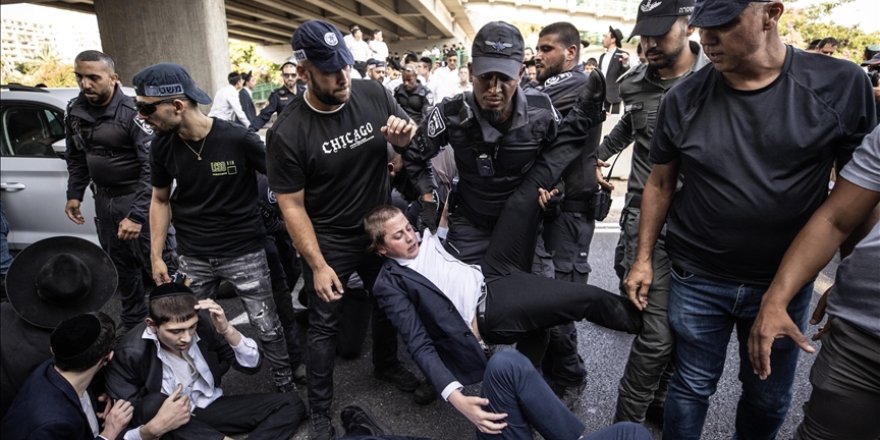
[848,207]
[160,220]
[655,204]
[299,226]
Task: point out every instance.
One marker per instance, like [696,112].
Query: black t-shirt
[755,165]
[339,159]
[214,206]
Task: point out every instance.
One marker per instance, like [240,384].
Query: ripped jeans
[249,274]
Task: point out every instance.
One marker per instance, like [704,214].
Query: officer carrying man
[108,145]
[281,96]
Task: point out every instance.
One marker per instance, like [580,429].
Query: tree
[800,26]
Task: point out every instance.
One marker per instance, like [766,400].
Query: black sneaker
[569,395]
[321,427]
[424,394]
[357,422]
[400,377]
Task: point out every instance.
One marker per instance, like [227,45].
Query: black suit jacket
[46,407]
[136,370]
[247,104]
[439,341]
[615,69]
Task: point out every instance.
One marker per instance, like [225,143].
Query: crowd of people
[452,207]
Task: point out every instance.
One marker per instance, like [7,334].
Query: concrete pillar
[137,34]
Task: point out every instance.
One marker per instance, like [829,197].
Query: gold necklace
[201,147]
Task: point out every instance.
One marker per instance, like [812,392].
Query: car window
[30,130]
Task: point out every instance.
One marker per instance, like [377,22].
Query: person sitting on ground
[55,401]
[184,348]
[421,290]
[49,281]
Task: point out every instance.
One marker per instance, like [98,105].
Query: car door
[33,178]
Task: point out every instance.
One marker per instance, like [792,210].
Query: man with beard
[496,133]
[281,96]
[108,145]
[213,163]
[328,162]
[568,229]
[664,34]
[754,171]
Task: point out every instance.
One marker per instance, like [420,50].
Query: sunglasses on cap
[148,108]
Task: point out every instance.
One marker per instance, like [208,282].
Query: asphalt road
[604,351]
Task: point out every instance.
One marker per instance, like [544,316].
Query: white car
[33,173]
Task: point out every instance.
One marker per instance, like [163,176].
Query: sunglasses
[288,75]
[148,108]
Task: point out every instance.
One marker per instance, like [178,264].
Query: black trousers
[325,320]
[130,257]
[519,302]
[261,416]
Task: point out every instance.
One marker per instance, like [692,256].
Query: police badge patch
[436,125]
[143,125]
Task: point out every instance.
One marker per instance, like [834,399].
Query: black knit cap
[75,335]
[170,289]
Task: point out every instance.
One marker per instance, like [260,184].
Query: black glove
[428,215]
[591,100]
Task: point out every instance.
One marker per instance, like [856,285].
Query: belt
[117,190]
[578,206]
[635,201]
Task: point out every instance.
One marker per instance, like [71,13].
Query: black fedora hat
[57,278]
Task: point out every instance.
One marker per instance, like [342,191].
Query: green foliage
[799,27]
[47,69]
[244,58]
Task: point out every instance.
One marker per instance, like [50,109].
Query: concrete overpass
[194,33]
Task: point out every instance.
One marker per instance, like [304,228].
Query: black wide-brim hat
[59,277]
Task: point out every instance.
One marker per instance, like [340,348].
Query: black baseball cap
[498,47]
[321,43]
[168,79]
[713,13]
[655,17]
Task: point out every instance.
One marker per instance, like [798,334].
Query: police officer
[496,133]
[671,57]
[281,96]
[568,229]
[108,145]
[413,97]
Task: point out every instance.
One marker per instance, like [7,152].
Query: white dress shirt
[227,106]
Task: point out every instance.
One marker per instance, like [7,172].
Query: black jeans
[519,302]
[130,257]
[325,320]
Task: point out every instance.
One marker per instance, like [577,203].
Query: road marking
[607,228]
[823,282]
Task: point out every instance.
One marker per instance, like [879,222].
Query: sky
[860,13]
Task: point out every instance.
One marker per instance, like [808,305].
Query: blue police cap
[712,13]
[168,79]
[321,44]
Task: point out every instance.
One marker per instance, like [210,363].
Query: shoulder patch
[436,125]
[143,125]
[557,79]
